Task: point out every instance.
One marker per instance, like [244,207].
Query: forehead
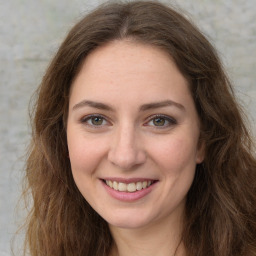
[125,77]
[128,63]
[129,56]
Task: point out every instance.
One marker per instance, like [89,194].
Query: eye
[161,121]
[95,120]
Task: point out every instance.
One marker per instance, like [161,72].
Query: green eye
[96,120]
[159,121]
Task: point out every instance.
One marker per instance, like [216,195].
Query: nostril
[125,160]
[126,152]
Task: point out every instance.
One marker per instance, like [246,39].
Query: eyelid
[171,120]
[84,120]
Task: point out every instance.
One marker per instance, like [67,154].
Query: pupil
[159,121]
[97,121]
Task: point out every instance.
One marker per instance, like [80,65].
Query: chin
[127,224]
[128,221]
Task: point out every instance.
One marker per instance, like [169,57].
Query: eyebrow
[161,104]
[92,104]
[144,107]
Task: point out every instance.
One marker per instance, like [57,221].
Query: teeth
[139,186]
[144,184]
[122,186]
[115,185]
[130,187]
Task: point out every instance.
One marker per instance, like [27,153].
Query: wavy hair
[220,217]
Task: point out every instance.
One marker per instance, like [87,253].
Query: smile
[129,187]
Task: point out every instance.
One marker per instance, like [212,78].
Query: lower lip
[128,196]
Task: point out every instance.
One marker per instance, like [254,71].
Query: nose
[126,150]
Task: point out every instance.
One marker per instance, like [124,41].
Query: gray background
[30,33]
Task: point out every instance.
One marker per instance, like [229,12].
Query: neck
[159,238]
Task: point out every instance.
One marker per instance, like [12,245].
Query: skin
[128,141]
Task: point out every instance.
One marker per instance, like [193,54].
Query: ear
[200,152]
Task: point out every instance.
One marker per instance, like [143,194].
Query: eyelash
[171,121]
[86,119]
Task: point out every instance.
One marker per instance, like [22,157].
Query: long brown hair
[221,204]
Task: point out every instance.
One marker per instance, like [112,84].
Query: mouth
[129,187]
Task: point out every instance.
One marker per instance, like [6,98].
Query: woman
[139,147]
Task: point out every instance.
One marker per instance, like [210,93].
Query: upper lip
[128,180]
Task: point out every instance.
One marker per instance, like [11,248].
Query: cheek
[85,156]
[84,153]
[176,154]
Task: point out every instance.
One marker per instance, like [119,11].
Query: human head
[128,86]
[147,23]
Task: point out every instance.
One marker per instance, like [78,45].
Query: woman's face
[132,134]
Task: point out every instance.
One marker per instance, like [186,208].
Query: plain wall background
[30,33]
